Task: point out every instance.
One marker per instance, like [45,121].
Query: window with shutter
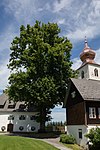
[92,112]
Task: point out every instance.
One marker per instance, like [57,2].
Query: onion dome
[87,55]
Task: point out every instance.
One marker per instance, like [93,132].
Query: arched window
[82,74]
[96,72]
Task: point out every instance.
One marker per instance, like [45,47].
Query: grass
[73,146]
[22,143]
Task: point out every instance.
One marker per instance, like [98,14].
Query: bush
[94,137]
[68,139]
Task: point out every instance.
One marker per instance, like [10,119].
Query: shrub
[94,137]
[68,139]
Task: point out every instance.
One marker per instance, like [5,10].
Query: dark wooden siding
[76,114]
[96,105]
[73,101]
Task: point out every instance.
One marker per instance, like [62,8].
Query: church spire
[87,55]
[86,43]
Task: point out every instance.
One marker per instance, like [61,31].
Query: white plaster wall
[92,126]
[91,72]
[86,73]
[27,123]
[74,130]
[4,120]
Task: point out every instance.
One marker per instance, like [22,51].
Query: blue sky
[76,19]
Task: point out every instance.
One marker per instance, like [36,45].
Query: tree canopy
[40,66]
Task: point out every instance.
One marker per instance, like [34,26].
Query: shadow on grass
[36,135]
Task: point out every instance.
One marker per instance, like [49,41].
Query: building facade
[16,117]
[83,98]
[89,69]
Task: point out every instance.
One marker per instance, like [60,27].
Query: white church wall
[89,71]
[92,76]
[86,74]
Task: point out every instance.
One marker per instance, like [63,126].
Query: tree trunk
[42,119]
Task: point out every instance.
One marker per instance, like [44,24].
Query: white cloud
[48,6]
[97,59]
[86,21]
[76,63]
[4,73]
[59,116]
[60,21]
[60,5]
[78,18]
[58,113]
[79,34]
[22,10]
[6,39]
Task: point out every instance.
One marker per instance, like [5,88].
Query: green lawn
[73,146]
[21,143]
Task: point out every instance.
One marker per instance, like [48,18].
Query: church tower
[89,69]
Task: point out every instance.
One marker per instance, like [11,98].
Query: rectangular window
[99,113]
[11,106]
[1,106]
[11,117]
[22,106]
[73,94]
[92,112]
[22,117]
[32,118]
[80,133]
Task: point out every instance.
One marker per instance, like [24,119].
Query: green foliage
[94,137]
[68,139]
[40,67]
[55,126]
[55,123]
[73,147]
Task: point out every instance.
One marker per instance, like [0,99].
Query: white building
[89,69]
[15,117]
